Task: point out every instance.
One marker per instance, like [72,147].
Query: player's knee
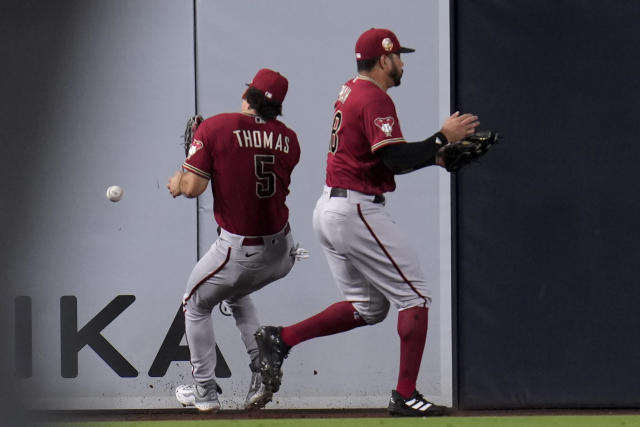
[194,311]
[375,313]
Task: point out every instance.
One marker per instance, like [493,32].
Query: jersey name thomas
[261,139]
[249,162]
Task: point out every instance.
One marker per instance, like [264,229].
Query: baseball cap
[272,84]
[377,42]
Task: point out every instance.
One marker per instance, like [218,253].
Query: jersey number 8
[337,122]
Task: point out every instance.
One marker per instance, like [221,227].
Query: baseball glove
[470,149]
[190,131]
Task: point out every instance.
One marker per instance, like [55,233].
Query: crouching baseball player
[366,251]
[249,157]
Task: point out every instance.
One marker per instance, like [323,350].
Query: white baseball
[115,193]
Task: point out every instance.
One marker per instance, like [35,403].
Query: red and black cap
[272,84]
[377,42]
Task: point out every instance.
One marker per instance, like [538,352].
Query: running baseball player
[366,251]
[249,157]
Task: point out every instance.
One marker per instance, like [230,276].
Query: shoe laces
[418,396]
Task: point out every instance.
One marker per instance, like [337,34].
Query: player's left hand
[459,154]
[174,184]
[190,131]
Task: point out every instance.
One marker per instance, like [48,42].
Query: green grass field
[510,421]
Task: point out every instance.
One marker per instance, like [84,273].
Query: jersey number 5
[266,185]
[337,122]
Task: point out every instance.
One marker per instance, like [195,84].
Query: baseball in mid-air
[115,193]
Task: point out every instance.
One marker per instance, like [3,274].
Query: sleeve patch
[195,147]
[385,124]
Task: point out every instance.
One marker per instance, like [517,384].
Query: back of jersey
[249,162]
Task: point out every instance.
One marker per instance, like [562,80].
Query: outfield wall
[546,241]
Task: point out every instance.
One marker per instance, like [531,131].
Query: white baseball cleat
[205,399]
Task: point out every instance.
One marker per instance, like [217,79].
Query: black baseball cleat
[272,352]
[413,406]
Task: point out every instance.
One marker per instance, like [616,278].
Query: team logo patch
[387,44]
[386,124]
[194,147]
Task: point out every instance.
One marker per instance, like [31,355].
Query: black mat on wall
[546,228]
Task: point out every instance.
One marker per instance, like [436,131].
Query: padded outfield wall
[546,227]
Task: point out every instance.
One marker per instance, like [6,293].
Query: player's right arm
[187,184]
[193,180]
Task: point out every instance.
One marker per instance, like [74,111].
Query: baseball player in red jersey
[249,157]
[366,251]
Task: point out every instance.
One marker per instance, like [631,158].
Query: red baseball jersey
[364,121]
[249,162]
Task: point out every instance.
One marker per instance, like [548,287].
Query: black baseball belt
[259,240]
[342,192]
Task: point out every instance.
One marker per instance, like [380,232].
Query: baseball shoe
[413,406]
[203,398]
[272,352]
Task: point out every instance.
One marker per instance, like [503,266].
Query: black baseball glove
[190,131]
[458,154]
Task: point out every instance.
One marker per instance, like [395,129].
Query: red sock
[412,328]
[336,318]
